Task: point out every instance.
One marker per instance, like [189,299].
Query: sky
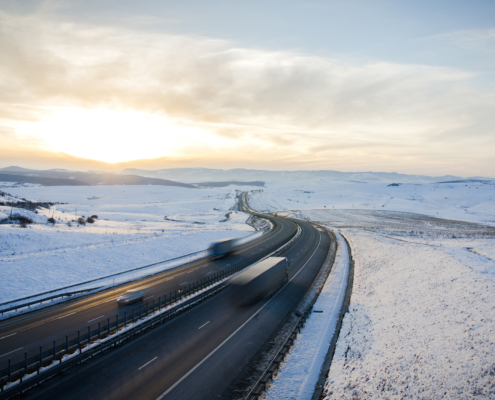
[393,86]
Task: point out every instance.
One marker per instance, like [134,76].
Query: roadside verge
[311,355]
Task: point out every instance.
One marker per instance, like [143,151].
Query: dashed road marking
[12,334]
[202,326]
[149,362]
[63,316]
[10,352]
[96,318]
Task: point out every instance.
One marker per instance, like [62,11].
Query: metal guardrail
[24,371]
[80,284]
[260,385]
[23,305]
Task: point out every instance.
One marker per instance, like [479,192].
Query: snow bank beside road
[297,378]
[420,324]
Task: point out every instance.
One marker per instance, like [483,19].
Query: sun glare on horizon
[111,135]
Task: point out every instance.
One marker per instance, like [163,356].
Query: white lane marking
[12,334]
[148,297]
[183,283]
[211,272]
[149,362]
[96,318]
[115,298]
[63,316]
[202,326]
[190,271]
[232,334]
[10,352]
[29,327]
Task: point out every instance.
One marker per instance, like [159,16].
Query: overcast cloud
[284,109]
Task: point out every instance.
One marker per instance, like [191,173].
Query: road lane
[181,347]
[42,327]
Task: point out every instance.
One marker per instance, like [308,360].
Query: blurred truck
[222,248]
[259,281]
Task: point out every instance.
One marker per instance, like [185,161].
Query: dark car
[131,296]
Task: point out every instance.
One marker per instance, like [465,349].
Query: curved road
[200,353]
[40,328]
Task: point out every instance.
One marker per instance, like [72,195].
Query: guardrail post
[170,299]
[99,332]
[9,372]
[66,347]
[117,324]
[79,341]
[89,336]
[153,308]
[108,328]
[54,351]
[132,317]
[125,320]
[25,365]
[41,359]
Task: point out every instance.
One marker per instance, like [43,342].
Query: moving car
[132,296]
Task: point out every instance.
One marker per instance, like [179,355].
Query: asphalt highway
[40,328]
[198,354]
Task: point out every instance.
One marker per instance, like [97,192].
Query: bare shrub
[20,219]
[51,220]
[90,220]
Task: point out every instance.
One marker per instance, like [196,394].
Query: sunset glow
[112,136]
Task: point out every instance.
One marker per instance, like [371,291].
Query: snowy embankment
[298,375]
[136,226]
[420,323]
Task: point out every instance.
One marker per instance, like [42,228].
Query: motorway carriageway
[40,328]
[198,354]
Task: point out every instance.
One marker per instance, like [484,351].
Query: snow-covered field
[421,319]
[136,226]
[459,201]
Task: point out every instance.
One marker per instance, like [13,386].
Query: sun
[111,135]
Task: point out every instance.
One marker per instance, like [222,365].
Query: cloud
[262,103]
[481,40]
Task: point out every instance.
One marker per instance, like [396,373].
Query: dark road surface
[196,355]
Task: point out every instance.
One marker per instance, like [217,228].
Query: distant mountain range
[192,175]
[207,177]
[60,177]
